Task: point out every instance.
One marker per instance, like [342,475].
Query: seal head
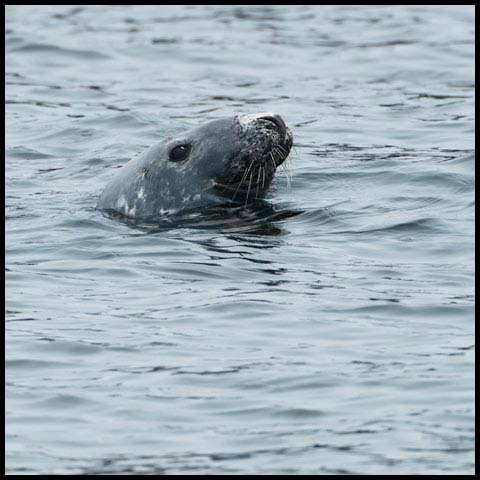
[231,160]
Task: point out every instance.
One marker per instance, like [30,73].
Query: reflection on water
[256,218]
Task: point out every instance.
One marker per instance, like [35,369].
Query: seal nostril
[278,121]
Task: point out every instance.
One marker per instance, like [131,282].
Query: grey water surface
[328,330]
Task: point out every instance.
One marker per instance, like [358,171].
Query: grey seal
[229,160]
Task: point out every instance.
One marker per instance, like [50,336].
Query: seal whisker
[286,170]
[280,153]
[249,185]
[278,156]
[272,155]
[287,176]
[279,147]
[284,165]
[258,181]
[273,160]
[243,178]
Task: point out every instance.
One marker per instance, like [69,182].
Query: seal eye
[179,153]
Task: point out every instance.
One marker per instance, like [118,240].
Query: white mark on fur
[246,119]
[121,202]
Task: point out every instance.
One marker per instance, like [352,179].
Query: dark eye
[179,153]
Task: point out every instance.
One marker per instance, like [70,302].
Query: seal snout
[277,120]
[266,118]
[263,144]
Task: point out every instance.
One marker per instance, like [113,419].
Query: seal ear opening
[179,153]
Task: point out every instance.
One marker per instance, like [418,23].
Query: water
[329,330]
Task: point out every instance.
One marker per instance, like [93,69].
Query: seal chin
[266,143]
